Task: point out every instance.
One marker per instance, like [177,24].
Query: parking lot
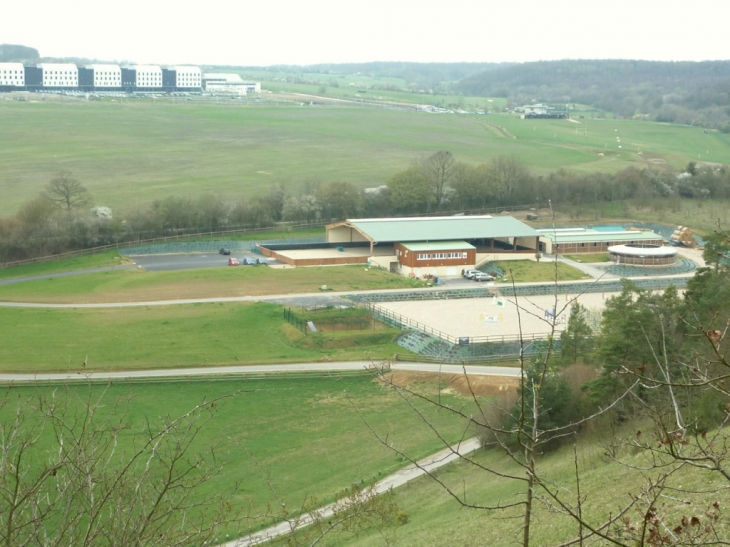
[187,261]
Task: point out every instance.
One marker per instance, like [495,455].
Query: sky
[302,32]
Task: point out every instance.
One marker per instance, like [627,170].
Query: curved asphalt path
[399,478]
[511,372]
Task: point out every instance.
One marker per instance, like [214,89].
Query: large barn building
[419,246]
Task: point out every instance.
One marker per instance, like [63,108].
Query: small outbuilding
[443,258]
[643,255]
[587,240]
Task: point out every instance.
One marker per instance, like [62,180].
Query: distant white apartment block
[12,74]
[107,76]
[59,75]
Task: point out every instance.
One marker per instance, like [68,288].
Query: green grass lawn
[280,439]
[527,271]
[589,258]
[172,336]
[143,286]
[104,259]
[129,153]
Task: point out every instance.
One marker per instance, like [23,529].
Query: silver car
[481,276]
[470,273]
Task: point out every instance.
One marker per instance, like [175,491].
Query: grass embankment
[129,153]
[173,336]
[435,518]
[279,439]
[104,259]
[144,286]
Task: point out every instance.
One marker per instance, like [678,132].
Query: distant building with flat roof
[586,240]
[230,83]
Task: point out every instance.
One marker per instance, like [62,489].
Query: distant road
[23,279]
[257,369]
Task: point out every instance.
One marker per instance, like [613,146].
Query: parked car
[481,276]
[469,273]
[224,251]
[233,262]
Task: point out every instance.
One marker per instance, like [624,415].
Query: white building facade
[148,76]
[188,77]
[60,75]
[107,76]
[12,74]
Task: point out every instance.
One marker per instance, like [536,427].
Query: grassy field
[360,87]
[173,336]
[527,271]
[104,259]
[283,438]
[143,286]
[133,151]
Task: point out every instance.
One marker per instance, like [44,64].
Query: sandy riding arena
[496,315]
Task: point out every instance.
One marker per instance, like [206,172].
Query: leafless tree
[438,170]
[507,172]
[67,192]
[66,477]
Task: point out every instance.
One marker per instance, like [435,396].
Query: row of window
[437,256]
[595,244]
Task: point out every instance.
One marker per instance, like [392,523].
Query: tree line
[62,217]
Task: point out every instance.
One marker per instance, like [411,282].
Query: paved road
[413,471]
[257,369]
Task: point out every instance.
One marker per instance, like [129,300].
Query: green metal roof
[602,237]
[439,246]
[389,230]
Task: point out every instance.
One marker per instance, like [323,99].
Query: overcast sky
[266,32]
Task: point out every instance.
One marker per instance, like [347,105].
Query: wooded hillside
[679,92]
[10,53]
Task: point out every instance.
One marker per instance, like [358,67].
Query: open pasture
[159,337]
[141,286]
[134,151]
[611,145]
[279,439]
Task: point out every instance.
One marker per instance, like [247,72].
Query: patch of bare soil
[455,383]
